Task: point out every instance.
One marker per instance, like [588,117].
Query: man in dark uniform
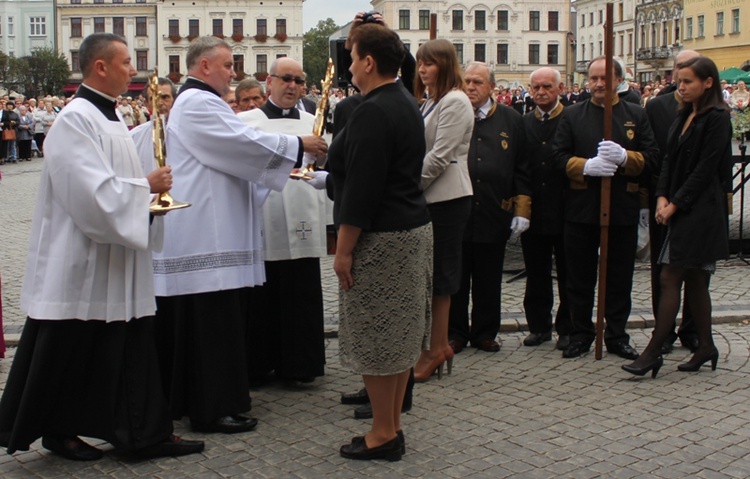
[661,112]
[585,158]
[500,178]
[545,235]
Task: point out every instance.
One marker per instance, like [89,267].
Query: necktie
[545,117]
[477,114]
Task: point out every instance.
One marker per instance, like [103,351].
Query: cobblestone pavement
[522,412]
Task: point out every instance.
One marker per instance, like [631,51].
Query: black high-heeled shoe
[653,366]
[696,362]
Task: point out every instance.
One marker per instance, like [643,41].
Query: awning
[137,87]
[71,88]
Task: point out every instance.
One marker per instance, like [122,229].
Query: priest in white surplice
[86,364]
[213,251]
[287,336]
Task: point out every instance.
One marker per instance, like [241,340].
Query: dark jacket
[548,183]
[577,139]
[500,176]
[696,174]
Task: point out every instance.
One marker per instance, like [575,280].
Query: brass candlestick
[164,201]
[320,117]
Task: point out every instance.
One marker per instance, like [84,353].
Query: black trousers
[538,299]
[657,234]
[582,255]
[285,327]
[482,276]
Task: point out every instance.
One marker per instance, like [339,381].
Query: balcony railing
[654,53]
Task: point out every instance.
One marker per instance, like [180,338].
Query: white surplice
[89,255]
[294,219]
[225,169]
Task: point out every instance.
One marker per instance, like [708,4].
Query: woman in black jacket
[691,201]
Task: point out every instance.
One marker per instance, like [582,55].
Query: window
[238,27]
[75,27]
[11,31]
[424,19]
[653,35]
[98,1]
[458,20]
[601,17]
[407,46]
[502,53]
[140,26]
[601,47]
[502,20]
[583,19]
[140,1]
[534,54]
[281,25]
[262,63]
[38,25]
[701,25]
[75,2]
[643,36]
[676,30]
[239,63]
[591,46]
[403,20]
[116,1]
[261,27]
[620,11]
[174,27]
[480,50]
[720,23]
[552,57]
[622,45]
[583,51]
[591,18]
[664,34]
[736,20]
[118,26]
[552,21]
[480,23]
[630,43]
[459,52]
[98,24]
[193,27]
[534,21]
[75,64]
[217,27]
[141,60]
[174,64]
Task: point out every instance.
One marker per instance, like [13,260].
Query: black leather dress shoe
[457,345]
[535,339]
[575,349]
[390,451]
[172,447]
[360,397]
[624,350]
[489,345]
[228,425]
[72,448]
[690,341]
[562,342]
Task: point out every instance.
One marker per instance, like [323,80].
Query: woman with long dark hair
[449,121]
[691,201]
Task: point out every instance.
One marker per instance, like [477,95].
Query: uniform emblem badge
[504,144]
[631,134]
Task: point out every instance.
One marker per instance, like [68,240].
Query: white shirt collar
[484,110]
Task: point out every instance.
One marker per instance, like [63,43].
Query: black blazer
[696,175]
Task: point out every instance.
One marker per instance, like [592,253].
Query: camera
[369,17]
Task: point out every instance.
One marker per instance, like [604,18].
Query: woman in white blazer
[449,121]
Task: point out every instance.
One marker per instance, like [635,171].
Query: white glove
[612,152]
[643,222]
[597,167]
[519,224]
[318,180]
[308,159]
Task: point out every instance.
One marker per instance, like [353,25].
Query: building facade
[134,20]
[26,25]
[719,29]
[658,26]
[590,18]
[257,31]
[514,37]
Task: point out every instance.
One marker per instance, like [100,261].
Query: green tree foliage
[46,72]
[315,50]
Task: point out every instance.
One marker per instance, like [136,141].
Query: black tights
[696,292]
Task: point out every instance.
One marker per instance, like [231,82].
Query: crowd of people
[24,124]
[425,182]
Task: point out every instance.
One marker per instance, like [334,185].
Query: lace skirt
[384,319]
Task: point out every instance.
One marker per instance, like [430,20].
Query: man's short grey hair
[248,84]
[203,47]
[558,77]
[490,75]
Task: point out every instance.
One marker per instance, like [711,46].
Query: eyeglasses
[290,78]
